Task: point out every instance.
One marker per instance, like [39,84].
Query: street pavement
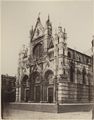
[14,114]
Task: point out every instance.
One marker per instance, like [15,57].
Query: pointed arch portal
[50,90]
[24,90]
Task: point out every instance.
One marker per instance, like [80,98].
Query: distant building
[8,88]
[49,71]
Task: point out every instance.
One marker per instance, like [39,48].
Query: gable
[38,31]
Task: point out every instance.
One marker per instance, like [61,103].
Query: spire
[48,17]
[39,14]
[48,26]
[38,19]
[64,34]
[48,20]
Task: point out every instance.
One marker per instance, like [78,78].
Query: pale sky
[18,17]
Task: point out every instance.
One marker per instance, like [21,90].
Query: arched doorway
[50,94]
[50,88]
[24,89]
[36,86]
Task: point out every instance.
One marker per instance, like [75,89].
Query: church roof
[85,54]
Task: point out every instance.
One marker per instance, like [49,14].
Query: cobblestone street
[31,115]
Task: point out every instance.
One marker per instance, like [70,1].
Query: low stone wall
[51,108]
[74,107]
[39,107]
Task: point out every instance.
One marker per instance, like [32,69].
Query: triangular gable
[39,30]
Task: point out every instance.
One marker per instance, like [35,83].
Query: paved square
[12,114]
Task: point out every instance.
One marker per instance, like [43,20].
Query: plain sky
[18,17]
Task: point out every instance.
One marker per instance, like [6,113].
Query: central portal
[50,95]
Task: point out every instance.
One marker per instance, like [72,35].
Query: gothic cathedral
[51,72]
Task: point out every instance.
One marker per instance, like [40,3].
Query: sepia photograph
[47,60]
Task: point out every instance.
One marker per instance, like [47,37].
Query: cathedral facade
[51,72]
